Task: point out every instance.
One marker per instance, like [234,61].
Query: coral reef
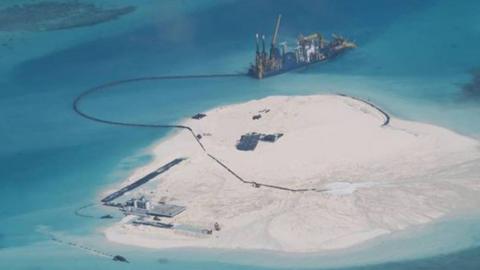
[50,15]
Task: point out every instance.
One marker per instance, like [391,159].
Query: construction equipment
[310,49]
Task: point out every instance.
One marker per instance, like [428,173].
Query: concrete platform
[166,210]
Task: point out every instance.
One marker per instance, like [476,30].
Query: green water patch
[52,15]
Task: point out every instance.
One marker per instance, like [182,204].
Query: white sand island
[368,179]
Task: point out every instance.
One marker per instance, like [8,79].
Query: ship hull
[296,66]
[291,68]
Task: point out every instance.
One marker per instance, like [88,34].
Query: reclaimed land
[347,173]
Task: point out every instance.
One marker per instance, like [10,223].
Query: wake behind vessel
[310,49]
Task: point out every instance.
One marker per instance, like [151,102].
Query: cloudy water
[413,59]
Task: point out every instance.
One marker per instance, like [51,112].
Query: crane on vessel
[273,48]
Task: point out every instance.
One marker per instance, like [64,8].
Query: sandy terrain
[377,179]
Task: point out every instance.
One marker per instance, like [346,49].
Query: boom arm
[275,33]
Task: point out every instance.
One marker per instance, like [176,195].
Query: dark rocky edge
[119,258]
[51,15]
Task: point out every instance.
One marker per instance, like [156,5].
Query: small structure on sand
[249,141]
[143,207]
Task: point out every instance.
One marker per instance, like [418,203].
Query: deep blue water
[413,56]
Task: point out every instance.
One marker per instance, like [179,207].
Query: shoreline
[158,152]
[436,241]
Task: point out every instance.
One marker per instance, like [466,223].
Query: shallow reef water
[51,15]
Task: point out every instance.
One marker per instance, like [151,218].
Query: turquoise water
[412,59]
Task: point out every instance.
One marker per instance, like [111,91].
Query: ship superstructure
[309,49]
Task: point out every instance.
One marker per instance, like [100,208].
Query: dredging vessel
[309,50]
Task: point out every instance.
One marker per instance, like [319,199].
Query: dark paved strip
[142,180]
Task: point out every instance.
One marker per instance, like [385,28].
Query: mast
[275,31]
[263,44]
[275,35]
